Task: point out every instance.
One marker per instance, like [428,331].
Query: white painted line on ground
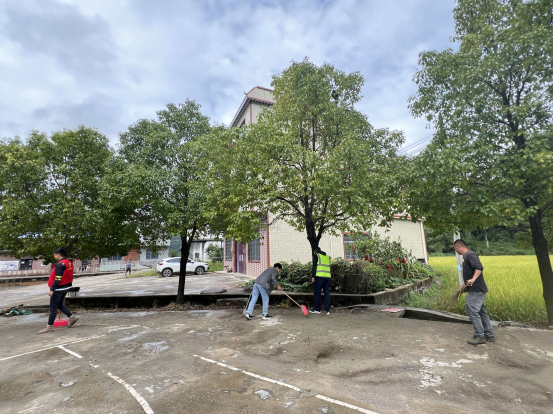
[70,352]
[134,393]
[53,347]
[324,398]
[347,405]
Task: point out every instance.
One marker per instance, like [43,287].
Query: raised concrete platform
[115,291]
[44,277]
[116,286]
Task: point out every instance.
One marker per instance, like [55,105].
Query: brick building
[281,242]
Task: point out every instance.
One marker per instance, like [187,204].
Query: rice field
[514,284]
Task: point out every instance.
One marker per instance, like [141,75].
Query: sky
[107,64]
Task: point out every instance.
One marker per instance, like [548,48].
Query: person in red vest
[61,279]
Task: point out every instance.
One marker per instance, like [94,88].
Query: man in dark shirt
[263,285]
[476,289]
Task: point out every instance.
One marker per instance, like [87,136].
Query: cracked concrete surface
[366,359]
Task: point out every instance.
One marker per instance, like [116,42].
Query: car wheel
[167,272]
[199,271]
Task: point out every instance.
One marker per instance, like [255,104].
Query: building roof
[258,94]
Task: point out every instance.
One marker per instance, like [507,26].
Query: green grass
[515,288]
[143,273]
[215,266]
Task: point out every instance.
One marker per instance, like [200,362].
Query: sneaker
[328,313]
[490,339]
[477,340]
[72,321]
[267,317]
[314,311]
[47,329]
[248,316]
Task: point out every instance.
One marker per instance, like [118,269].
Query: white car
[170,266]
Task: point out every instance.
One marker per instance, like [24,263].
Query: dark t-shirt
[471,262]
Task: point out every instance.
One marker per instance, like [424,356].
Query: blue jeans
[324,283]
[258,289]
[476,310]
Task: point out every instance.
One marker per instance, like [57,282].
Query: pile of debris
[14,311]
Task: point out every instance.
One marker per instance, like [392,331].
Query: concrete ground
[218,362]
[117,285]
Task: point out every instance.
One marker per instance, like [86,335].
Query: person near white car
[169,266]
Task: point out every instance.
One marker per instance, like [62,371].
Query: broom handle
[291,299]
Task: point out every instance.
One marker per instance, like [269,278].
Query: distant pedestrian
[476,289]
[61,279]
[264,285]
[128,268]
[320,275]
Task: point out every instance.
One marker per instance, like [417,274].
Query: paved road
[118,285]
[217,362]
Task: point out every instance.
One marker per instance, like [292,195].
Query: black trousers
[324,284]
[56,303]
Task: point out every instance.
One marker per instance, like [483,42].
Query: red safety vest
[67,276]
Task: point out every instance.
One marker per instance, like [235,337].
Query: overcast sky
[109,63]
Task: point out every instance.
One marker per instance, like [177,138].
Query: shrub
[387,265]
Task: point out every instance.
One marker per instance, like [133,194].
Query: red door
[240,262]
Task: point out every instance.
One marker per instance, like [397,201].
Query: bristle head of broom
[304,309]
[59,323]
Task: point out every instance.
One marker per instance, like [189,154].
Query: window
[228,249]
[150,254]
[349,244]
[196,255]
[174,260]
[253,250]
[115,258]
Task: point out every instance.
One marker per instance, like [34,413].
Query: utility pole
[457,235]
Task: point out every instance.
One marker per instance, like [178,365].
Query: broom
[303,308]
[59,322]
[454,299]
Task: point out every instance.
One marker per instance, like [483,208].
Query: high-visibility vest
[323,266]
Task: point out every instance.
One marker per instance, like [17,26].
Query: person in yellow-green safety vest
[320,275]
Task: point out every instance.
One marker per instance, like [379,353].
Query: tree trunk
[544,263]
[312,235]
[185,252]
[486,236]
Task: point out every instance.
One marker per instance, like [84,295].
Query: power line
[413,146]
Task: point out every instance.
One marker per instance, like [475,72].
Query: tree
[172,194]
[215,253]
[312,159]
[491,160]
[51,195]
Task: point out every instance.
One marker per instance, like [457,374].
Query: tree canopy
[312,159]
[171,192]
[491,159]
[52,195]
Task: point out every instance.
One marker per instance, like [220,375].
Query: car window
[174,260]
[190,260]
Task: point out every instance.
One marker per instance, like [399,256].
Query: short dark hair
[460,242]
[60,251]
[277,265]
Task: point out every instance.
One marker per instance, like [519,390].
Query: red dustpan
[303,308]
[59,322]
